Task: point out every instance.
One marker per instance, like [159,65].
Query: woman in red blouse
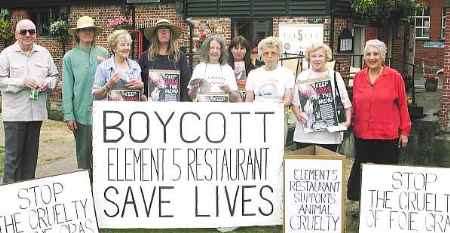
[381,123]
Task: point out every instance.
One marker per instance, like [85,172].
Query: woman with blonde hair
[164,54]
[118,72]
[213,76]
[306,133]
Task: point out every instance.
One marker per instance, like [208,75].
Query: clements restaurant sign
[187,165]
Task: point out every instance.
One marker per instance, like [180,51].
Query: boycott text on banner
[313,191]
[404,199]
[187,165]
[58,204]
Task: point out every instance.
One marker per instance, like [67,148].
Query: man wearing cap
[27,74]
[164,55]
[80,64]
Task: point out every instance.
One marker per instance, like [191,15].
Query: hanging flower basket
[120,23]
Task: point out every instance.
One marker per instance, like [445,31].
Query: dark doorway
[253,29]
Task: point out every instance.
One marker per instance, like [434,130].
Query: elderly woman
[271,82]
[213,76]
[165,55]
[80,64]
[118,72]
[240,60]
[381,123]
[317,55]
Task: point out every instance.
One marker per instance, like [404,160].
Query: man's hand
[31,83]
[72,125]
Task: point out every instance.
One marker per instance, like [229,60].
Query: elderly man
[27,73]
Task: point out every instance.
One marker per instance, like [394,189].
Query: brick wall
[431,56]
[445,98]
[428,56]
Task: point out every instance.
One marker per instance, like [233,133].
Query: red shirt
[380,110]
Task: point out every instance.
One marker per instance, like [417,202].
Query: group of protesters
[378,112]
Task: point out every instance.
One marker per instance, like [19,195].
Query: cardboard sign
[164,85]
[404,199]
[187,165]
[297,37]
[58,204]
[313,191]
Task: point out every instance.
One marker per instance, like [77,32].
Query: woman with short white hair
[381,122]
[271,82]
[118,72]
[312,127]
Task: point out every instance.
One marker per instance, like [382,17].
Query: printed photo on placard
[124,95]
[317,102]
[164,85]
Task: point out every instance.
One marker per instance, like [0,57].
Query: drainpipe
[331,6]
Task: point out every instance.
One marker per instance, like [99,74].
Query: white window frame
[443,24]
[422,26]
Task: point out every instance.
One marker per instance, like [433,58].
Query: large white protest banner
[404,199]
[58,204]
[313,193]
[187,165]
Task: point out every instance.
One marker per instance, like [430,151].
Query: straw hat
[163,23]
[85,22]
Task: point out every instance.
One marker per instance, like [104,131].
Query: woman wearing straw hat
[164,56]
[80,64]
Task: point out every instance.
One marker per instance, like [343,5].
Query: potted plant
[6,32]
[59,29]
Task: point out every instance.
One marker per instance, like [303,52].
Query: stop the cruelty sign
[404,199]
[187,165]
[59,204]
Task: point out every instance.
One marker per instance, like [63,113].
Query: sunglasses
[23,32]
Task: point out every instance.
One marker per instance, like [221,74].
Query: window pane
[418,32]
[426,22]
[426,32]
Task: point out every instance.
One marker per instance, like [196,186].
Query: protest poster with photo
[313,194]
[187,165]
[124,95]
[164,85]
[58,204]
[317,102]
[404,199]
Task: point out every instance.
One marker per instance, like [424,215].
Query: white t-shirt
[216,76]
[269,86]
[320,137]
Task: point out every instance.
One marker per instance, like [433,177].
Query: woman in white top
[271,82]
[213,76]
[317,55]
